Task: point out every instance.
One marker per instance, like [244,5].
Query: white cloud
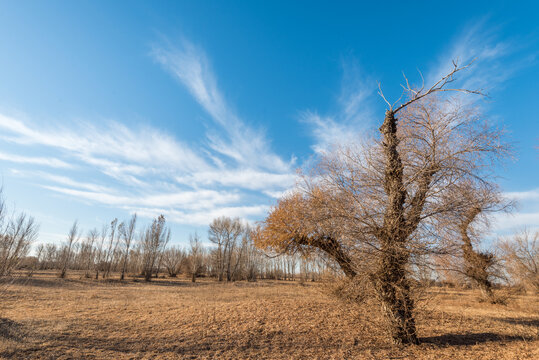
[527,215]
[328,132]
[51,162]
[243,144]
[189,200]
[523,195]
[492,63]
[251,179]
[513,222]
[279,194]
[354,115]
[59,179]
[205,217]
[142,161]
[114,147]
[139,168]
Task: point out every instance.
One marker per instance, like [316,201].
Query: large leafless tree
[375,206]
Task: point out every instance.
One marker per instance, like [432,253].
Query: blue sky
[206,108]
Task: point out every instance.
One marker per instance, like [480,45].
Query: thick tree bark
[477,263]
[333,248]
[391,281]
[393,289]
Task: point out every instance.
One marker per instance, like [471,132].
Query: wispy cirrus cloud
[44,161]
[114,147]
[353,116]
[494,60]
[328,131]
[158,176]
[202,217]
[245,145]
[230,171]
[44,178]
[244,178]
[189,200]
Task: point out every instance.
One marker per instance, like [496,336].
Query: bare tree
[153,242]
[521,258]
[72,238]
[225,233]
[161,252]
[252,259]
[111,248]
[479,200]
[196,253]
[173,260]
[50,257]
[17,233]
[87,256]
[15,241]
[99,252]
[127,233]
[370,206]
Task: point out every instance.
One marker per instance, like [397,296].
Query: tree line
[119,249]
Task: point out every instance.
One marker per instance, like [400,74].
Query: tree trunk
[124,267]
[477,263]
[391,280]
[148,275]
[394,291]
[486,290]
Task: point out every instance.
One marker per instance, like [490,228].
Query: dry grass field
[48,318]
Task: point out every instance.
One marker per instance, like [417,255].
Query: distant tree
[196,253]
[127,234]
[520,254]
[91,239]
[153,243]
[111,248]
[17,233]
[225,233]
[72,238]
[478,200]
[50,257]
[253,260]
[173,260]
[99,251]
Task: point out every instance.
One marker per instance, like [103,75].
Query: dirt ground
[47,318]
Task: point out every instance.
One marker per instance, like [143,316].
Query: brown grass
[49,318]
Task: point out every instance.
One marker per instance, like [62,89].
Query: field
[47,318]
